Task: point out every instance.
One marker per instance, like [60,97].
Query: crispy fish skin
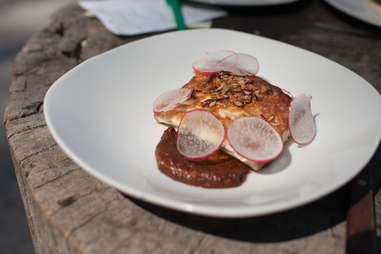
[230,97]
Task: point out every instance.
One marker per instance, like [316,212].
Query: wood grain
[361,228]
[69,211]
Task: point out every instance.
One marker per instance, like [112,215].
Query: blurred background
[18,20]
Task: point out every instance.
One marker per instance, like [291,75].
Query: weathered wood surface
[71,212]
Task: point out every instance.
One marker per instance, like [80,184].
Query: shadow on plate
[280,163]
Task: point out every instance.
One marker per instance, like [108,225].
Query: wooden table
[71,212]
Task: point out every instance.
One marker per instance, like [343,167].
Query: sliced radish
[301,121]
[246,65]
[209,63]
[287,93]
[200,134]
[228,63]
[225,60]
[170,99]
[254,139]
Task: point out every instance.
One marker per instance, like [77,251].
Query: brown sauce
[218,171]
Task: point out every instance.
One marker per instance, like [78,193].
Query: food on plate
[217,171]
[301,121]
[227,121]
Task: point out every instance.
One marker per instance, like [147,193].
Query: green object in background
[377,1]
[176,8]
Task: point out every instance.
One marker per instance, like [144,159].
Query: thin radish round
[301,122]
[254,139]
[246,65]
[228,63]
[170,99]
[200,134]
[287,93]
[209,63]
[225,60]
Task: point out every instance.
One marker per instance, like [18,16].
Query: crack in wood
[36,110]
[60,30]
[75,51]
[123,243]
[34,106]
[66,201]
[29,128]
[25,114]
[55,179]
[84,223]
[59,164]
[68,234]
[38,152]
[40,107]
[198,245]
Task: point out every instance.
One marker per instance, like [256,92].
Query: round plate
[100,113]
[365,10]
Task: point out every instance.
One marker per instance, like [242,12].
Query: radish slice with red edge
[288,93]
[209,63]
[301,122]
[229,63]
[200,134]
[254,139]
[246,65]
[225,60]
[170,99]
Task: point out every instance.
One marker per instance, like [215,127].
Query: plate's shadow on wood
[288,225]
[306,220]
[375,165]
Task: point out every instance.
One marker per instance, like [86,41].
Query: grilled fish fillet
[230,97]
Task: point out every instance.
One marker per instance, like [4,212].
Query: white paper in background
[132,17]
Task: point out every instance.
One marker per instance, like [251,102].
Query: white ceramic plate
[364,10]
[245,2]
[100,113]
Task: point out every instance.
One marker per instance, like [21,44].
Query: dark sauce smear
[218,171]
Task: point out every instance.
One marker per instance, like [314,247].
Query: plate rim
[246,3]
[355,14]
